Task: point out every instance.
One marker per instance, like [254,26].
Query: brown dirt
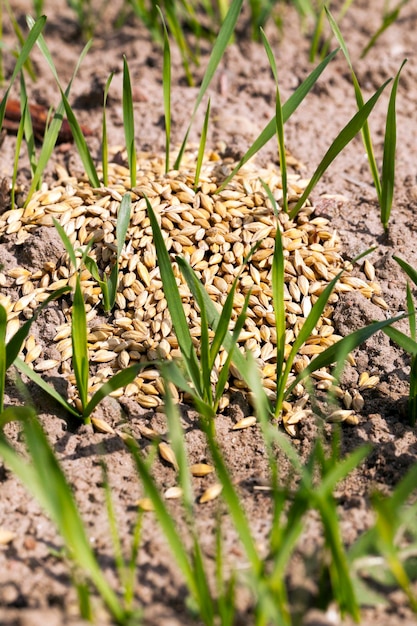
[34,583]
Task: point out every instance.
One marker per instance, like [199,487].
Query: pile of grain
[214,231]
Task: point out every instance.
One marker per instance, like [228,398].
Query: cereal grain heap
[214,231]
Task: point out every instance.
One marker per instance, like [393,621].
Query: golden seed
[45,365]
[340,415]
[201,469]
[101,426]
[211,493]
[367,382]
[145,504]
[244,423]
[172,493]
[167,454]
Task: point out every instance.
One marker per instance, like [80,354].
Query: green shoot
[202,146]
[129,123]
[52,133]
[108,285]
[342,140]
[198,381]
[409,344]
[104,142]
[384,185]
[44,478]
[388,545]
[166,84]
[28,128]
[279,123]
[389,18]
[288,109]
[197,584]
[81,143]
[388,163]
[21,60]
[217,53]
[28,65]
[19,139]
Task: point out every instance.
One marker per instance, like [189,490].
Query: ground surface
[34,584]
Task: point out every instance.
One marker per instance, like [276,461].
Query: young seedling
[129,122]
[43,477]
[384,555]
[384,184]
[198,380]
[189,561]
[217,53]
[409,344]
[342,140]
[104,142]
[52,132]
[108,285]
[21,60]
[279,124]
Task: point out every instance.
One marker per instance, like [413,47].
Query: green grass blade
[51,134]
[177,31]
[366,134]
[15,343]
[411,313]
[42,384]
[92,267]
[388,162]
[233,502]
[278,265]
[166,87]
[69,248]
[174,301]
[388,19]
[81,143]
[216,56]
[225,371]
[123,220]
[29,136]
[119,380]
[174,371]
[129,122]
[202,146]
[19,139]
[410,271]
[224,318]
[79,344]
[104,141]
[342,140]
[402,340]
[32,37]
[304,333]
[288,109]
[279,122]
[213,317]
[44,478]
[3,327]
[176,437]
[339,351]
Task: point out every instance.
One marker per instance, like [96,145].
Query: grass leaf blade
[388,161]
[288,109]
[216,56]
[129,122]
[79,344]
[344,137]
[173,297]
